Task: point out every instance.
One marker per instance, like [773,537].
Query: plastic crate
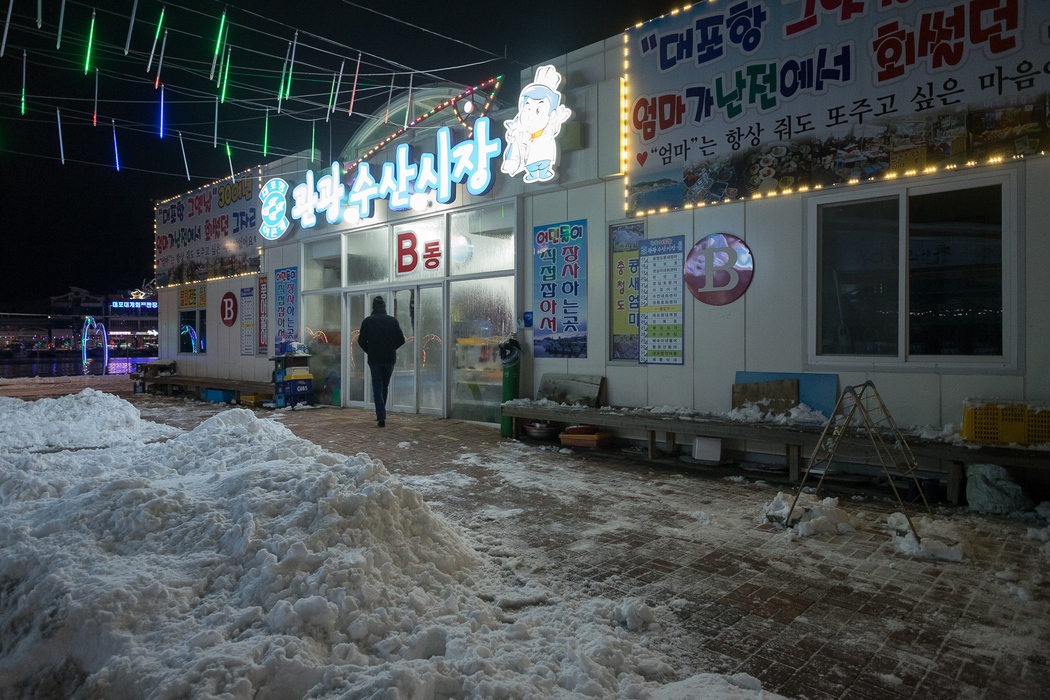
[295,386]
[996,423]
[218,396]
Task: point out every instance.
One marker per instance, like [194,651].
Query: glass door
[356,389]
[403,383]
[431,348]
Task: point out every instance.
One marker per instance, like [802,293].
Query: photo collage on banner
[756,97]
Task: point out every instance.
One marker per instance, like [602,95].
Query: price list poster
[661,320]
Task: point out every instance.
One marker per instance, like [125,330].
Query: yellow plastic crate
[255,399]
[996,423]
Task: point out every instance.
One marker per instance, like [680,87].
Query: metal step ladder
[862,404]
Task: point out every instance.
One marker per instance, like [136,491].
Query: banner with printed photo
[210,233]
[560,284]
[758,96]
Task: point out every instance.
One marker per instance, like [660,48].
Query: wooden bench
[798,441]
[237,386]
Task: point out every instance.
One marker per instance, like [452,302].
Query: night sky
[85,224]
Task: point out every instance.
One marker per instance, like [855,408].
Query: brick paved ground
[824,617]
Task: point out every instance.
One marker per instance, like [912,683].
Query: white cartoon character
[531,134]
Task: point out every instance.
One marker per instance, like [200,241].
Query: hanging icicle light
[160,61]
[162,111]
[160,23]
[39,13]
[353,92]
[284,70]
[184,161]
[94,115]
[24,82]
[291,67]
[116,154]
[61,21]
[131,25]
[313,139]
[91,38]
[266,134]
[331,99]
[229,157]
[389,99]
[7,25]
[218,44]
[408,108]
[226,74]
[215,137]
[61,146]
[338,84]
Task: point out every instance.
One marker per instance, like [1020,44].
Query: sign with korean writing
[661,318]
[625,240]
[247,320]
[264,316]
[405,182]
[286,322]
[757,96]
[188,298]
[560,284]
[209,233]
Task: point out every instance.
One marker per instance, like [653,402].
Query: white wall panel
[773,302]
[1036,284]
[715,347]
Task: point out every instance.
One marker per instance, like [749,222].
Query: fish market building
[752,190]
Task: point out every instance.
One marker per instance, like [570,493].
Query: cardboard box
[591,440]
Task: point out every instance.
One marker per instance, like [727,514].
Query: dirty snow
[238,561]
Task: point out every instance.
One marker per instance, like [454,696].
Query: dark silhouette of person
[380,338]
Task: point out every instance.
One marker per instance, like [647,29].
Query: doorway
[418,383]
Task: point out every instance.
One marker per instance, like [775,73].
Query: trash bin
[510,357]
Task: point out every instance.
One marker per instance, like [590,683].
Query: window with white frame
[918,274]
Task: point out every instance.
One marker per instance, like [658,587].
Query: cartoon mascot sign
[531,135]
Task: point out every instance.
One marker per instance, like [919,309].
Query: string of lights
[244,77]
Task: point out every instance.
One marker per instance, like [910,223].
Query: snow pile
[809,517]
[939,539]
[239,561]
[758,412]
[88,419]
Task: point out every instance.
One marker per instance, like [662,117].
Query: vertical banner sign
[625,240]
[247,320]
[560,284]
[730,100]
[264,316]
[286,288]
[662,318]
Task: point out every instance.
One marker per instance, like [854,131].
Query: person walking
[380,338]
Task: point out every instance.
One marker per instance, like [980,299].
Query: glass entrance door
[418,381]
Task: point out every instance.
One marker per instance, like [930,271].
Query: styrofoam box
[707,449]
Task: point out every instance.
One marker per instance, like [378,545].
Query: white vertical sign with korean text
[661,320]
[247,320]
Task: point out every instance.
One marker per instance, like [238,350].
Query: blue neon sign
[400,182]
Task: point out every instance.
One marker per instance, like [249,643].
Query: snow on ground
[239,561]
[88,419]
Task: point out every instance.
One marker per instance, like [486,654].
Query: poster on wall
[264,317]
[286,322]
[560,284]
[209,233]
[188,298]
[247,320]
[753,97]
[625,240]
[661,318]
